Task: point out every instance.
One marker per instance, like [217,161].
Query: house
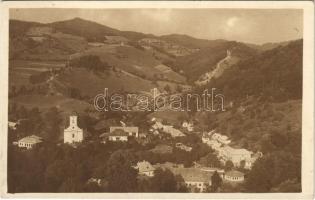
[188,125]
[235,155]
[195,179]
[101,182]
[206,136]
[172,131]
[167,129]
[214,144]
[118,135]
[94,180]
[73,134]
[207,139]
[29,141]
[145,168]
[157,125]
[12,125]
[234,176]
[131,130]
[220,138]
[183,147]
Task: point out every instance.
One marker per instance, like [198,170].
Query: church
[73,134]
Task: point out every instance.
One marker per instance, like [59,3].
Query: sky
[245,25]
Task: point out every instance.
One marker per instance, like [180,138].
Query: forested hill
[274,74]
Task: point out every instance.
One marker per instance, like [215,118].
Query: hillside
[269,45]
[91,84]
[206,59]
[19,28]
[34,41]
[134,61]
[191,42]
[275,75]
[92,31]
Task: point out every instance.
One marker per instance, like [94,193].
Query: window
[73,135]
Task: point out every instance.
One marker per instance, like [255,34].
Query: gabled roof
[125,128]
[234,173]
[118,132]
[12,123]
[103,135]
[193,174]
[235,151]
[144,166]
[33,139]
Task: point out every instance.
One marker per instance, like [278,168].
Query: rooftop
[33,139]
[193,174]
[125,128]
[235,151]
[144,166]
[118,132]
[234,173]
[104,135]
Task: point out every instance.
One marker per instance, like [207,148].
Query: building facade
[118,135]
[234,176]
[29,141]
[235,155]
[145,168]
[131,130]
[73,134]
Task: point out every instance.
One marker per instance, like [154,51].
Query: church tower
[73,134]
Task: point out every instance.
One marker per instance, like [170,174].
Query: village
[196,177]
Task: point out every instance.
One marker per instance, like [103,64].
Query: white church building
[73,133]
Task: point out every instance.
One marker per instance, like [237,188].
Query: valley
[56,70]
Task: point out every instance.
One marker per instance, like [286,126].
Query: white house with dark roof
[145,168]
[118,135]
[29,141]
[131,130]
[194,178]
[12,125]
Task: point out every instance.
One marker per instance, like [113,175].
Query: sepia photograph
[157,100]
